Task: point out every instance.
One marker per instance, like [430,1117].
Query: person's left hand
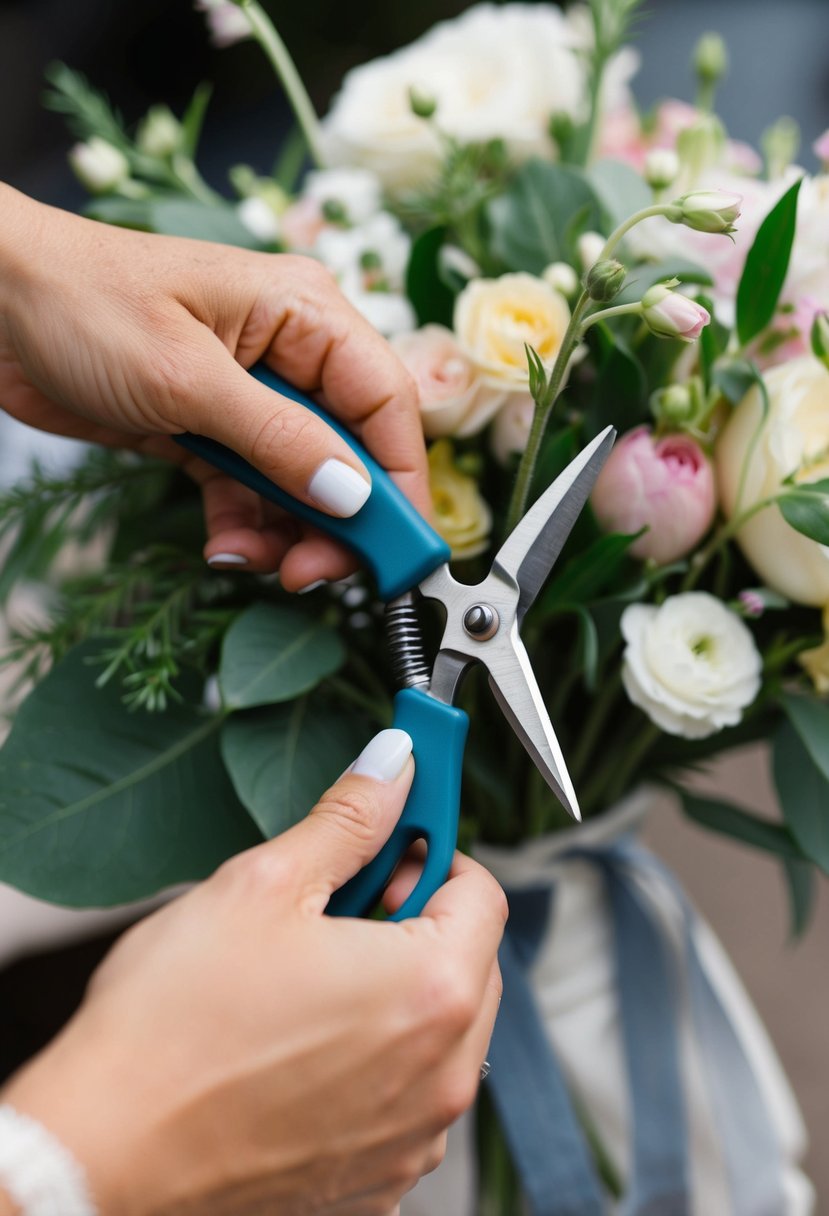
[126,338]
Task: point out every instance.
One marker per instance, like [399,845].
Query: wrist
[19,241]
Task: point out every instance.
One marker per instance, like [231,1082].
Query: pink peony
[453,398]
[664,485]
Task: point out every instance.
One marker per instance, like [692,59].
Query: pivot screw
[481,622]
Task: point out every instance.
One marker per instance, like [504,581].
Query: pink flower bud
[664,485]
[821,148]
[669,314]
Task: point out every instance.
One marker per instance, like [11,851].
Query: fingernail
[318,582]
[227,559]
[339,488]
[384,757]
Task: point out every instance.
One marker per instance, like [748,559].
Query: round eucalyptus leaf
[274,653]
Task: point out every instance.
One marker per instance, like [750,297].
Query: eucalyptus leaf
[529,221]
[99,806]
[620,189]
[734,378]
[733,821]
[805,507]
[804,794]
[282,758]
[431,298]
[765,267]
[176,216]
[274,653]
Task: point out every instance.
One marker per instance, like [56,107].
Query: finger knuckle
[309,272]
[354,810]
[282,435]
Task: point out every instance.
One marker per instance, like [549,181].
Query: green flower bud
[674,404]
[334,211]
[701,145]
[424,105]
[710,58]
[159,133]
[708,211]
[780,143]
[820,338]
[604,280]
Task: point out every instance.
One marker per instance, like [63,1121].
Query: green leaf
[274,653]
[730,820]
[99,805]
[587,648]
[804,794]
[586,575]
[431,298]
[712,342]
[620,190]
[734,378]
[805,507]
[644,276]
[529,221]
[765,267]
[800,882]
[281,759]
[174,216]
[193,118]
[292,156]
[810,718]
[620,392]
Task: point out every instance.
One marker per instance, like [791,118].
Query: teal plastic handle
[387,533]
[431,812]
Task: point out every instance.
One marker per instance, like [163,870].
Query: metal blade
[528,553]
[516,691]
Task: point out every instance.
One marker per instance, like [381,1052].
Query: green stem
[266,35]
[185,174]
[624,772]
[721,537]
[618,310]
[583,754]
[626,225]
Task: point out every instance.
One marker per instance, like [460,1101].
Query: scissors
[408,558]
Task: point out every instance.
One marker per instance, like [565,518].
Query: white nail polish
[339,488]
[227,559]
[318,582]
[384,757]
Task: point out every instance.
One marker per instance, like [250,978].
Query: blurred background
[157,50]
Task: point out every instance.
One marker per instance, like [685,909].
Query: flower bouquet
[546,261]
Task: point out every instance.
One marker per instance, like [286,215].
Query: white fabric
[39,1174]
[573,977]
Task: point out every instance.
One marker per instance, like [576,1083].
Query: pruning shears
[407,557]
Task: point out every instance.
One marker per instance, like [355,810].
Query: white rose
[357,191]
[496,318]
[494,72]
[99,165]
[690,664]
[453,400]
[794,439]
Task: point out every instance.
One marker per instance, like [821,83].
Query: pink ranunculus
[453,398]
[665,485]
[670,314]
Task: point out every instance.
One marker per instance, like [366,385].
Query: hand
[125,338]
[240,1052]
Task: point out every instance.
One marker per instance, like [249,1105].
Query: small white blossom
[357,191]
[99,165]
[225,21]
[589,247]
[562,277]
[259,218]
[691,664]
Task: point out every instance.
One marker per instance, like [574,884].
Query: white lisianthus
[356,191]
[793,440]
[495,319]
[380,238]
[691,664]
[99,165]
[494,72]
[259,218]
[388,311]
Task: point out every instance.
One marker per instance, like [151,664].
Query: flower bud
[423,104]
[562,278]
[701,145]
[710,58]
[780,143]
[821,150]
[259,218]
[99,165]
[604,280]
[674,405]
[159,133]
[589,248]
[669,314]
[661,168]
[708,211]
[561,127]
[664,485]
[820,337]
[225,21]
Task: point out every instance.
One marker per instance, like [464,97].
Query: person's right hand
[241,1052]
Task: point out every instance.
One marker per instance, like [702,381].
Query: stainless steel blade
[516,691]
[528,553]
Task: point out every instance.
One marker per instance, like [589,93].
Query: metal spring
[405,643]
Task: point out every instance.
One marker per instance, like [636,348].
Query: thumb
[287,442]
[353,819]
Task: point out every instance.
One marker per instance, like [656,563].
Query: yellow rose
[496,318]
[461,516]
[816,661]
[793,440]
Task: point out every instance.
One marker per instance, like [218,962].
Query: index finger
[324,345]
[470,910]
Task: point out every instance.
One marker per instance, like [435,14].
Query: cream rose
[494,72]
[453,399]
[462,517]
[690,664]
[794,439]
[495,319]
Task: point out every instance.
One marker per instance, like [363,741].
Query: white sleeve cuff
[39,1174]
